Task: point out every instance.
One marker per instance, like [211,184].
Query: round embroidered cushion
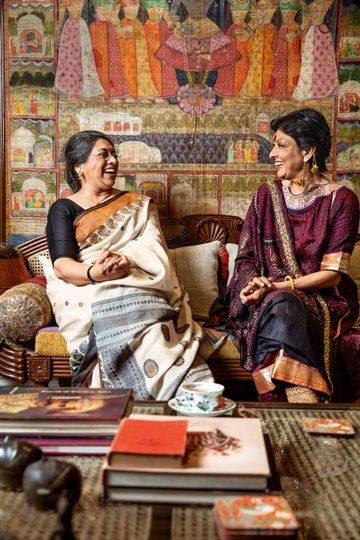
[24,309]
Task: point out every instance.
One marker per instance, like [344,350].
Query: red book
[148,443]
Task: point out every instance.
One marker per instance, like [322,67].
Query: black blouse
[60,229]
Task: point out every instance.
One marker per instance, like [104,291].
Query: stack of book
[254,516]
[64,420]
[221,455]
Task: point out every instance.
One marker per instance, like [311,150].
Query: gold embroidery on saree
[303,200]
[290,259]
[336,261]
[289,370]
[103,219]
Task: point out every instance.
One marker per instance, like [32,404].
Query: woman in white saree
[114,293]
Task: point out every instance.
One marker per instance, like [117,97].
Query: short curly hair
[309,129]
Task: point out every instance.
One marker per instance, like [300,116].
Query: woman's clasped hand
[256,289]
[109,265]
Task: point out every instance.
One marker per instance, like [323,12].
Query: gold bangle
[292,281]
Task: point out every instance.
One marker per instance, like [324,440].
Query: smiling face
[100,168]
[287,156]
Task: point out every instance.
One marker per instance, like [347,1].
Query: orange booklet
[328,426]
[254,516]
[148,443]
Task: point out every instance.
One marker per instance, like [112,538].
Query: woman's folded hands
[255,290]
[109,265]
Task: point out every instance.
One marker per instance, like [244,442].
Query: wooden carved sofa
[198,255]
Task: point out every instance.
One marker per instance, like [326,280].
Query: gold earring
[314,169]
[301,180]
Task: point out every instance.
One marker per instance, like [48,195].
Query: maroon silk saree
[290,337]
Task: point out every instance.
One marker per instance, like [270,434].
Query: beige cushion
[232,250]
[355,266]
[197,270]
[24,309]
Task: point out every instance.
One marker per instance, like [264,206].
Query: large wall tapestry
[186,89]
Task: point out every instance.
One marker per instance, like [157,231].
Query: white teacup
[199,396]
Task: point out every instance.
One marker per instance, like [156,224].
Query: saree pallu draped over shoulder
[289,337]
[138,328]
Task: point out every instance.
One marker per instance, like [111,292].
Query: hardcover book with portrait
[63,411]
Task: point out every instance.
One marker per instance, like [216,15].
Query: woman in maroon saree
[290,296]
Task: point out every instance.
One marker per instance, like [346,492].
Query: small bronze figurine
[15,456]
[45,480]
[52,484]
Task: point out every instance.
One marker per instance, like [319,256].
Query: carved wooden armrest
[13,363]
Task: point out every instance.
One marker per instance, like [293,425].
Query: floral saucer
[225,405]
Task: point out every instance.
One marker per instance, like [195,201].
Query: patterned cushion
[50,342]
[197,270]
[24,309]
[227,350]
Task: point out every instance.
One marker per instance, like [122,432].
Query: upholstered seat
[195,255]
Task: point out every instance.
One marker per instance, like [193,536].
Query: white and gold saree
[139,328]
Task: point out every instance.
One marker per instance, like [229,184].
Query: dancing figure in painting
[106,48]
[287,58]
[231,77]
[318,74]
[134,51]
[197,45]
[157,30]
[76,73]
[261,48]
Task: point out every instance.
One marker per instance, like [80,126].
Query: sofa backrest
[203,228]
[33,250]
[189,264]
[194,253]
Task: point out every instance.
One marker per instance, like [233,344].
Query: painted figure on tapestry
[76,73]
[287,59]
[231,77]
[318,75]
[134,51]
[106,48]
[261,48]
[197,46]
[157,30]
